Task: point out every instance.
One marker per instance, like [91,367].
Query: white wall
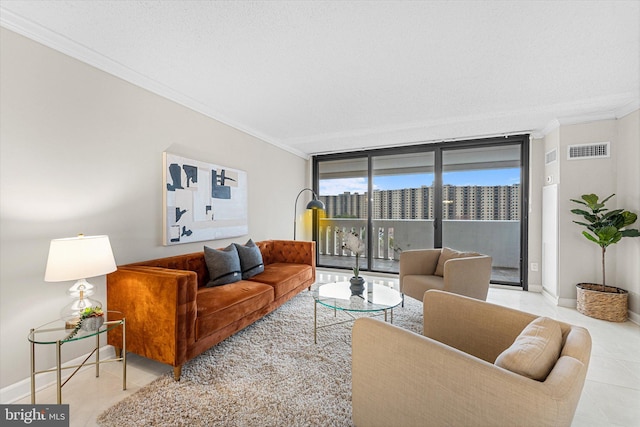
[81,151]
[536,181]
[628,197]
[550,176]
[578,259]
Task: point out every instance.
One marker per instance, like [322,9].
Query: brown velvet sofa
[172,317]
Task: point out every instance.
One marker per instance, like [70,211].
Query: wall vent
[551,156]
[588,151]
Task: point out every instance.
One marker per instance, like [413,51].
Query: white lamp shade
[79,258]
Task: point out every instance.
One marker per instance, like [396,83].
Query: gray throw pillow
[223,265]
[250,259]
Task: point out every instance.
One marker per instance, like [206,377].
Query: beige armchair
[463,273]
[448,377]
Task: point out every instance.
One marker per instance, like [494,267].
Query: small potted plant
[604,228]
[91,318]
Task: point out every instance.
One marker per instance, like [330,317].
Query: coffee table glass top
[338,296]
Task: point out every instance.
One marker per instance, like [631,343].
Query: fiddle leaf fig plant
[604,227]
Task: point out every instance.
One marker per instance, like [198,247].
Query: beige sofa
[448,377]
[463,273]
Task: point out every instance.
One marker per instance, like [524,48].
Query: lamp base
[74,309]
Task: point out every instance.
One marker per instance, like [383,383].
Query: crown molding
[475,126]
[443,129]
[60,43]
[586,118]
[415,133]
[610,114]
[550,127]
[627,109]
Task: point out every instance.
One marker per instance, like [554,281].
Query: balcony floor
[498,275]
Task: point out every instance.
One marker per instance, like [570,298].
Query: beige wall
[81,151]
[579,259]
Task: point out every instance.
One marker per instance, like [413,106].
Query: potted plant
[91,318]
[352,242]
[604,228]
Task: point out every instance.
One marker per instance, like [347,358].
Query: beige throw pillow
[448,254]
[535,351]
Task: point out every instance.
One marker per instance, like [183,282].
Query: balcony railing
[500,239]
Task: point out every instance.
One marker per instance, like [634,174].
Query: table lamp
[78,258]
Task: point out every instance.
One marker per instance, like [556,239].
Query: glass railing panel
[499,239]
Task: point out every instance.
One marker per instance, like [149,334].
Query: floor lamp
[315,203]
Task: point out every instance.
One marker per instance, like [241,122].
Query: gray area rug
[269,374]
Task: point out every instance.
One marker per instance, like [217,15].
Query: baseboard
[549,297]
[535,288]
[22,389]
[572,303]
[561,302]
[567,302]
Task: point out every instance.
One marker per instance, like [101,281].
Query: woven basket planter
[609,305]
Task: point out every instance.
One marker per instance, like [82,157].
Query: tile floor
[611,396]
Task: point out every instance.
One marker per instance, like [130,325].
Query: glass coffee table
[337,296]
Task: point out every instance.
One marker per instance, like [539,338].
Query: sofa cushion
[535,351]
[284,277]
[223,265]
[220,306]
[418,284]
[448,254]
[250,259]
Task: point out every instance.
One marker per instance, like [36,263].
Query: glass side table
[55,333]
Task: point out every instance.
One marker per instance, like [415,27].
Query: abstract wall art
[202,201]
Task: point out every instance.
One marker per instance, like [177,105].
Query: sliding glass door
[401,206]
[343,185]
[481,205]
[469,196]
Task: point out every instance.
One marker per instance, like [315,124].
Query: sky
[394,182]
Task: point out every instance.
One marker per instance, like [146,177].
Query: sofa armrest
[418,261]
[475,327]
[468,276]
[159,305]
[402,378]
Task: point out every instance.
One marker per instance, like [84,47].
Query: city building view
[472,202]
[483,218]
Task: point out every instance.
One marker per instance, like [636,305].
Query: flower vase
[357,285]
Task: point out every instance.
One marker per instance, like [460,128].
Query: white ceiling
[324,76]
